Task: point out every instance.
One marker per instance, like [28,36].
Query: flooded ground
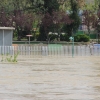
[51,78]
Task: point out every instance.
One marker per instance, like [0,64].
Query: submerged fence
[51,50]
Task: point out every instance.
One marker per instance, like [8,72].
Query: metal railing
[51,50]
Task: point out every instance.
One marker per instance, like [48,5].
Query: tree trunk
[19,34]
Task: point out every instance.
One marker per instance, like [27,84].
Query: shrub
[81,38]
[64,37]
[53,37]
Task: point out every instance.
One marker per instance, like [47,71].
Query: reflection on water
[55,80]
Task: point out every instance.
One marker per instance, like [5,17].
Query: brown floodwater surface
[50,78]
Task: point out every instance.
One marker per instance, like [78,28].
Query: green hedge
[77,37]
[65,37]
[81,38]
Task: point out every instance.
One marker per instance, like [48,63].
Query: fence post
[29,50]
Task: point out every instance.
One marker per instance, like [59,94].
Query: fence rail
[47,50]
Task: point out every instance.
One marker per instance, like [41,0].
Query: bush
[81,38]
[53,37]
[64,37]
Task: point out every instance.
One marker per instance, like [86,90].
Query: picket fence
[62,50]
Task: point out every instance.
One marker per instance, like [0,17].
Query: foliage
[43,6]
[90,7]
[5,19]
[46,25]
[23,22]
[11,5]
[51,5]
[20,20]
[42,36]
[73,27]
[52,37]
[64,5]
[64,37]
[46,15]
[81,38]
[9,58]
[89,19]
[55,22]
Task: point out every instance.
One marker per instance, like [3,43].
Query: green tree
[74,10]
[47,9]
[51,5]
[11,5]
[44,6]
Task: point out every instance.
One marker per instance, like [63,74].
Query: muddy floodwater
[51,78]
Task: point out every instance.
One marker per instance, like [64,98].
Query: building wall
[1,38]
[7,38]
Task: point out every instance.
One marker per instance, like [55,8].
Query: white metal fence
[62,50]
